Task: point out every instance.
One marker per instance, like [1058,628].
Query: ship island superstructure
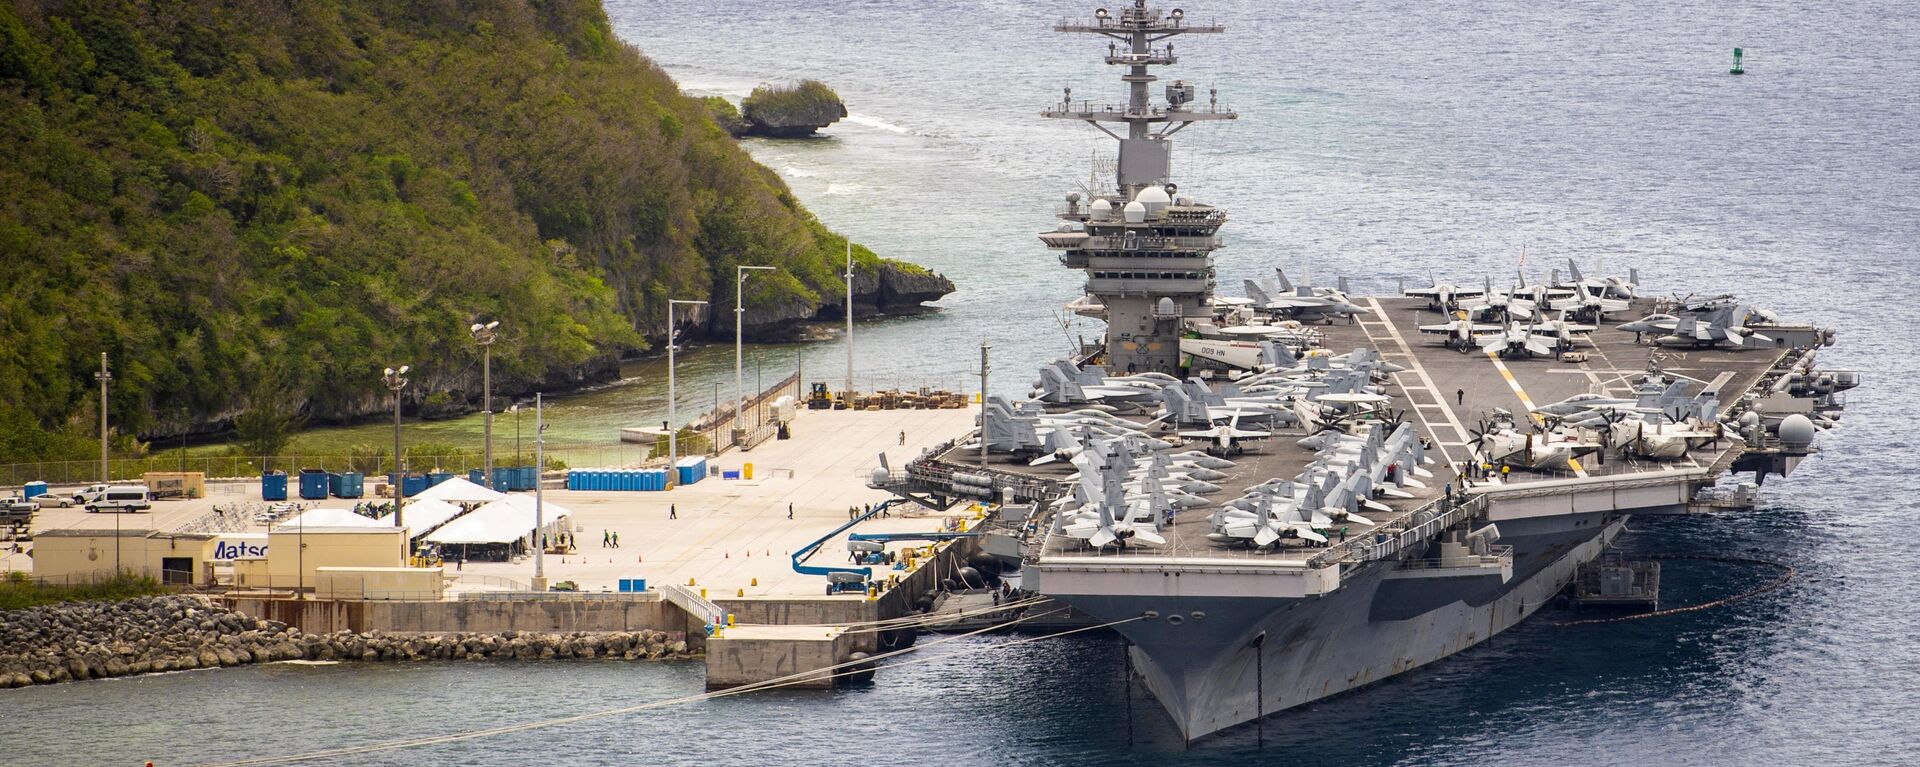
[1146,249]
[1290,495]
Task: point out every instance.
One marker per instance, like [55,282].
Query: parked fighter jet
[1066,442]
[1101,517]
[1580,403]
[1062,383]
[1535,296]
[1302,304]
[1270,520]
[1590,303]
[1461,334]
[1203,460]
[1444,297]
[1193,402]
[1497,304]
[1341,498]
[1563,331]
[1227,438]
[1721,326]
[1516,341]
[1287,286]
[1605,287]
[1008,428]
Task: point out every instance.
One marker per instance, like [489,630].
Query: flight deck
[1446,393]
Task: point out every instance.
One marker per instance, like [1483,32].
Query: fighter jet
[1605,287]
[1461,334]
[1302,304]
[1008,428]
[1227,438]
[1661,323]
[1061,383]
[1287,286]
[1270,520]
[1563,331]
[1193,402]
[1535,296]
[1516,341]
[1721,327]
[1580,403]
[1101,487]
[1203,460]
[1497,304]
[1590,303]
[1341,498]
[1444,297]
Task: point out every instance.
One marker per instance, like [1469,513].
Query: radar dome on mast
[1153,199]
[1147,268]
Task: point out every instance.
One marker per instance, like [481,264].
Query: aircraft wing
[1296,302]
[1689,434]
[1353,398]
[1260,331]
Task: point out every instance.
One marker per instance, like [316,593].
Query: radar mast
[1147,251]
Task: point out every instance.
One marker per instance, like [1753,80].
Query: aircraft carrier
[1284,496]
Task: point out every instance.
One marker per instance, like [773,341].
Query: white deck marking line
[1619,386]
[1514,383]
[1420,371]
[1593,379]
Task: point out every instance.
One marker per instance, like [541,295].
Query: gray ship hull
[1218,662]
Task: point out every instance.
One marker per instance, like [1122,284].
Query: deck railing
[1495,555]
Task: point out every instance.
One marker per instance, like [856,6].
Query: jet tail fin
[1257,293]
[1277,354]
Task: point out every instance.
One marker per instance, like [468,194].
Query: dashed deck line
[1418,372]
[1526,401]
